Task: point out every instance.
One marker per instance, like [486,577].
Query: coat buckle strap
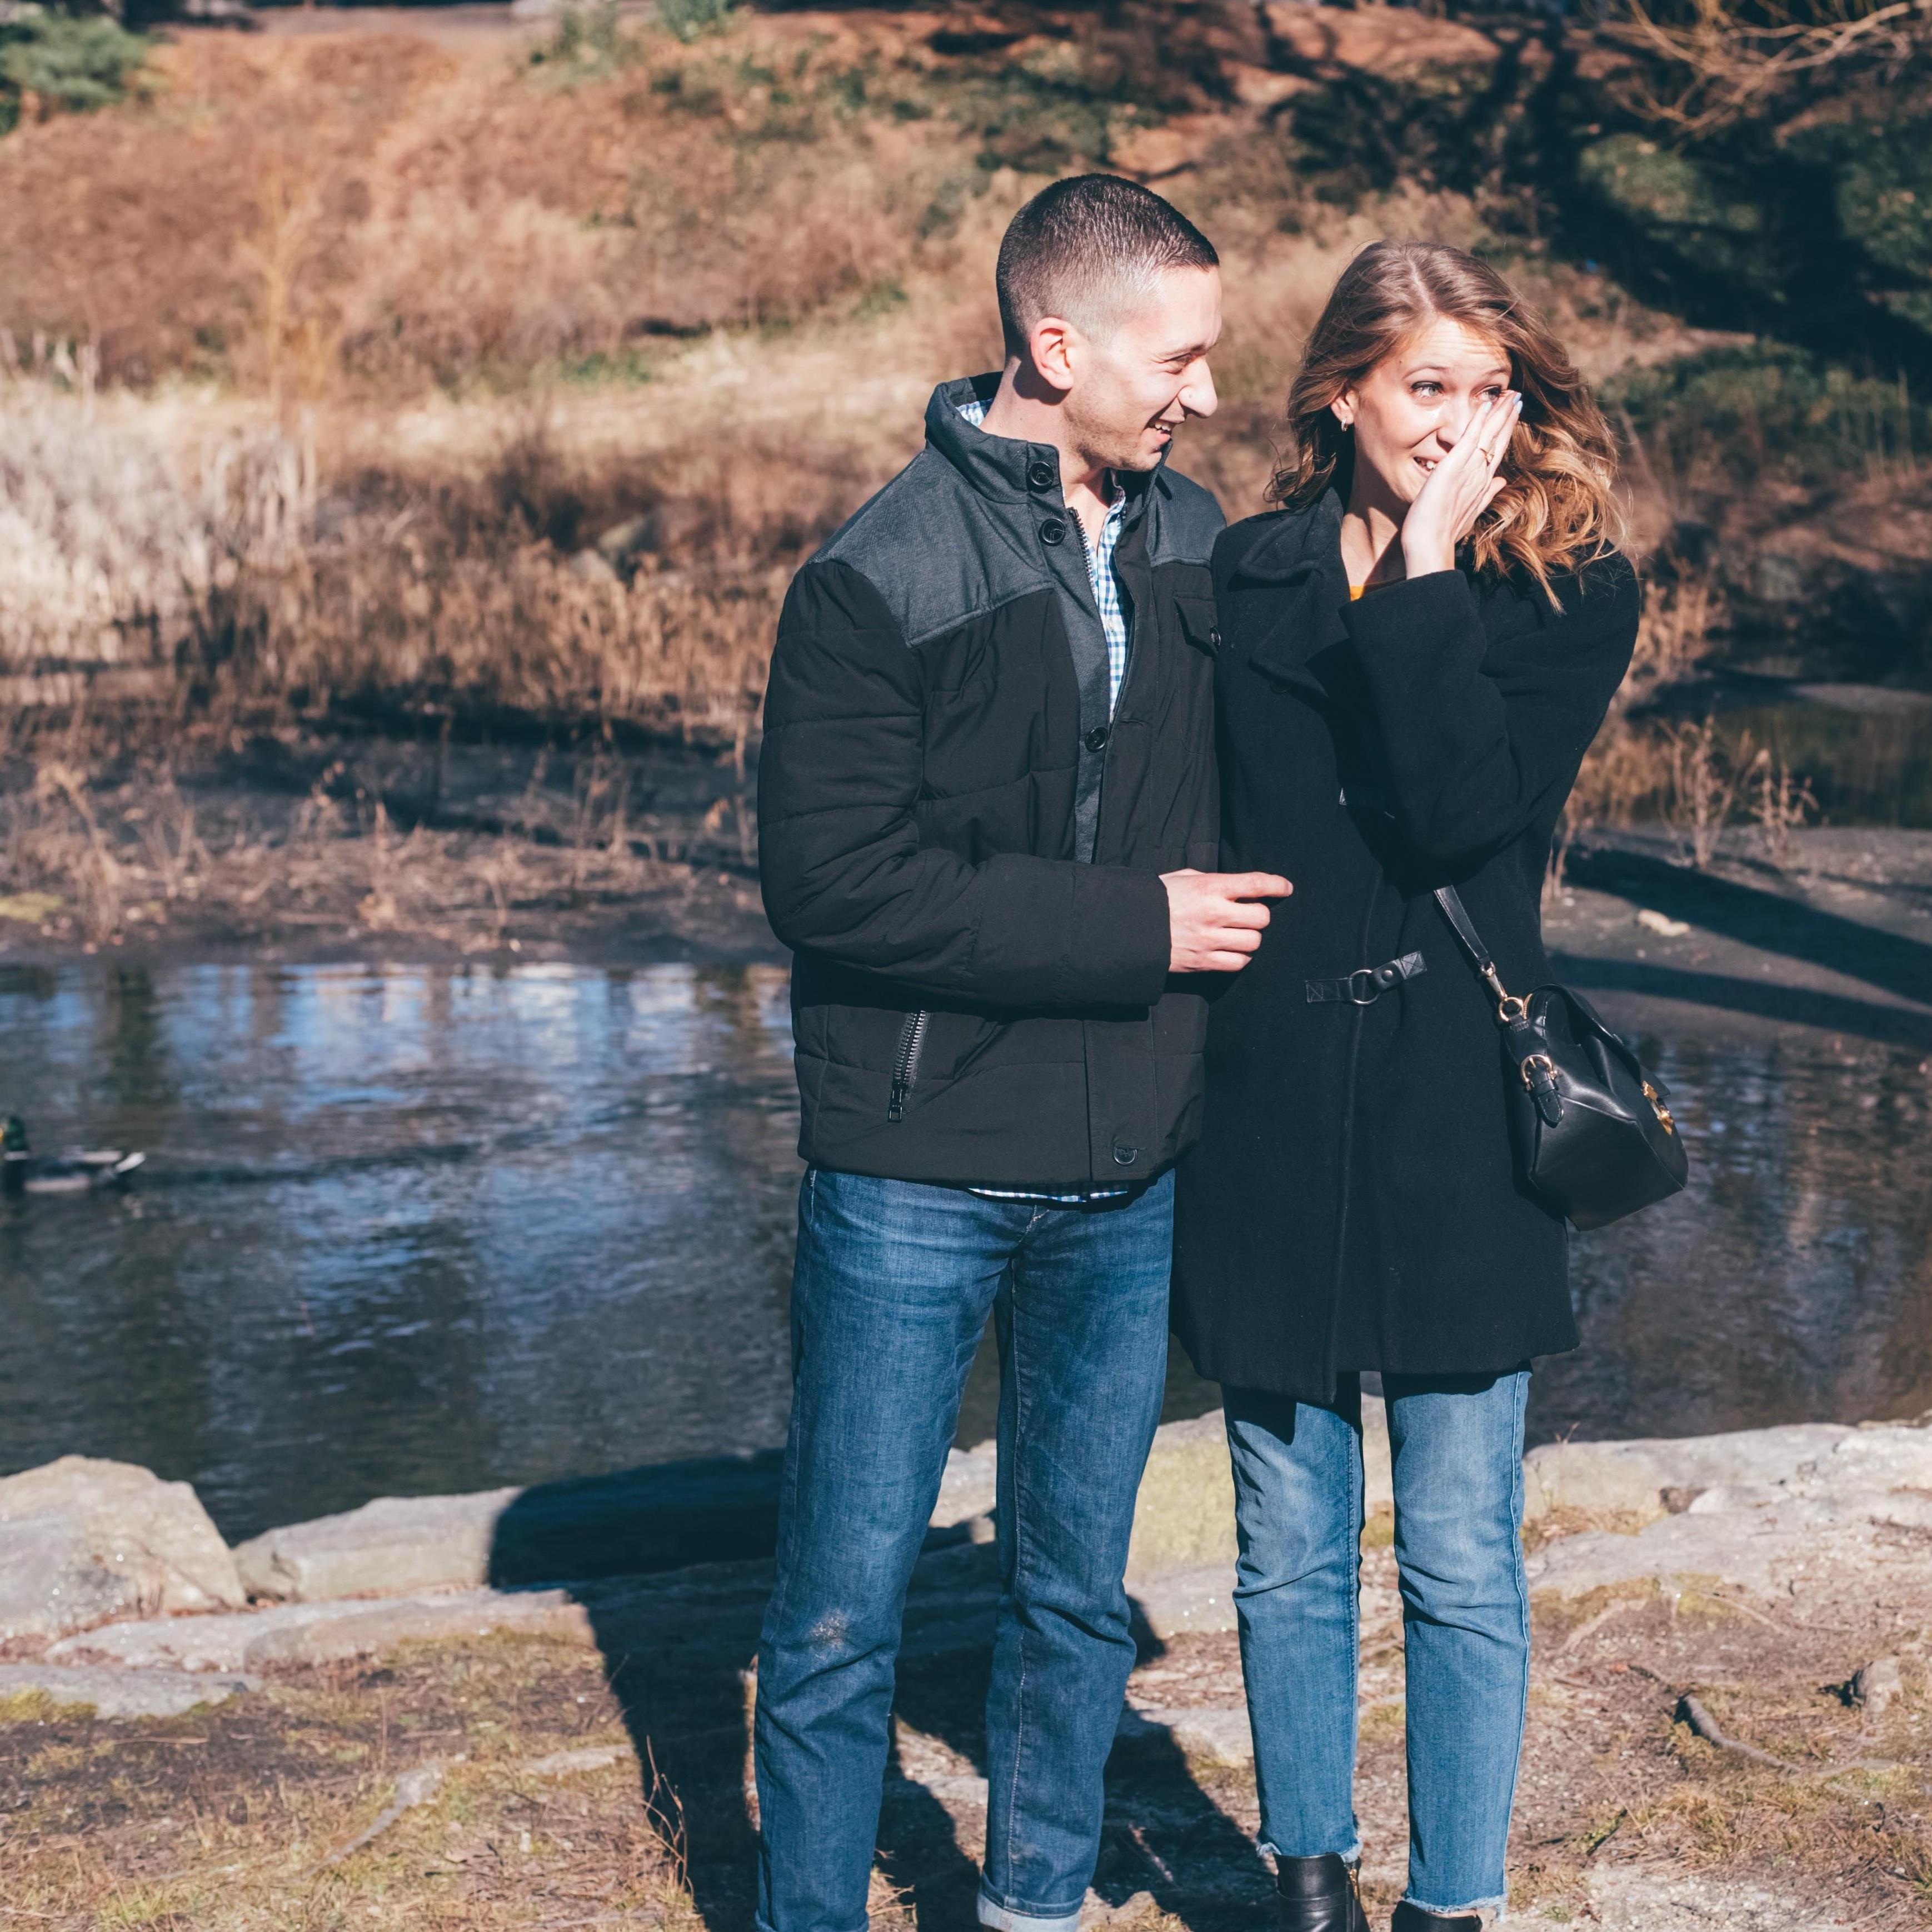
[1366,984]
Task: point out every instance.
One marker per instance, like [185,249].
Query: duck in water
[77,1171]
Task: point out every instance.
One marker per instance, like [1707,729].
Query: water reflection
[411,1230]
[401,1230]
[1792,1282]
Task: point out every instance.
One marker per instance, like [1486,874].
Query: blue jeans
[893,1286]
[1458,1451]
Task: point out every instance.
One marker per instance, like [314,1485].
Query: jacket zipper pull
[905,1069]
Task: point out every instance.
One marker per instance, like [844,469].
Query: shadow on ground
[1791,1006]
[678,1650]
[1769,921]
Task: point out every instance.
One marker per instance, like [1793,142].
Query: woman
[1415,650]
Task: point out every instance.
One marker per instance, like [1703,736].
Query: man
[986,787]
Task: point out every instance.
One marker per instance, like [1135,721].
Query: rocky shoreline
[1700,1581]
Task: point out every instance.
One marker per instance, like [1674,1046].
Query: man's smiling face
[1138,380]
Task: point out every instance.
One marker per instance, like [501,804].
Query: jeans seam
[1357,1486]
[1519,1577]
[788,1471]
[1019,1562]
[1512,1450]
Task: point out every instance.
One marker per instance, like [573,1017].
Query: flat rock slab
[82,1540]
[322,1632]
[1806,1507]
[666,1516]
[970,1487]
[121,1693]
[391,1546]
[632,1522]
[1640,1898]
[1219,1736]
[1185,1600]
[708,1610]
[1637,1477]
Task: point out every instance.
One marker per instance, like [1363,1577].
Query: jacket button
[1053,531]
[1214,638]
[1124,1155]
[1041,476]
[1096,739]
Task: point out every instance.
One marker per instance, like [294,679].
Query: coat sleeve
[840,859]
[1475,757]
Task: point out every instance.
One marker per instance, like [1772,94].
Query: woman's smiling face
[1408,411]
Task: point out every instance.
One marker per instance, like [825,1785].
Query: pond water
[405,1230]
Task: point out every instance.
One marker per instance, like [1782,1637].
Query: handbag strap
[1457,914]
[1527,1047]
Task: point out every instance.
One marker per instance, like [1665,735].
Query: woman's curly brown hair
[1555,511]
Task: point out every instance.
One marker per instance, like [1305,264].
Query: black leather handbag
[1593,1132]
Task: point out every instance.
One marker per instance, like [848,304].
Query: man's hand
[1215,919]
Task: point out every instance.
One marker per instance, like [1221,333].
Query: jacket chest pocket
[1198,625]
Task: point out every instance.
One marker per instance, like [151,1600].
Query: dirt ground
[566,1788]
[535,1810]
[295,846]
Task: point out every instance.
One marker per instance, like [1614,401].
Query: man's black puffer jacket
[961,846]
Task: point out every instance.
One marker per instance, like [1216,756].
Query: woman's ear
[1343,409]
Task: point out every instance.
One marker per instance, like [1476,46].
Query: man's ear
[1056,347]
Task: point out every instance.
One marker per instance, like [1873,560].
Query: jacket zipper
[905,1067]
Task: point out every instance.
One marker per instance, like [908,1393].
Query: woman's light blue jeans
[1457,1444]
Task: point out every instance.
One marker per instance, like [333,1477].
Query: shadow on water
[679,1647]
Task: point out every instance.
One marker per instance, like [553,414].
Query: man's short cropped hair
[1086,245]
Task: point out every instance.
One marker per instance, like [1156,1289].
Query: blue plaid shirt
[1114,623]
[1100,573]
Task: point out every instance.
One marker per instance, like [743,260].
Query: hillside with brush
[685,273]
[421,372]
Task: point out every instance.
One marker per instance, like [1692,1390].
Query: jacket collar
[1300,551]
[997,466]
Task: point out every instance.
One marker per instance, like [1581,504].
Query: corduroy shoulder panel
[1186,524]
[937,552]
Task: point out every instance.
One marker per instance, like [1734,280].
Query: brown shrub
[291,211]
[451,275]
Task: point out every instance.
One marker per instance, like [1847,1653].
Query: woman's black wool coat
[1353,1202]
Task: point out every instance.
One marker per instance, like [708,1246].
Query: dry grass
[296,841]
[227,575]
[331,361]
[370,206]
[232,1820]
[227,1820]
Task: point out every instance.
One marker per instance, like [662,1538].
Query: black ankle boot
[1412,1918]
[1319,1895]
